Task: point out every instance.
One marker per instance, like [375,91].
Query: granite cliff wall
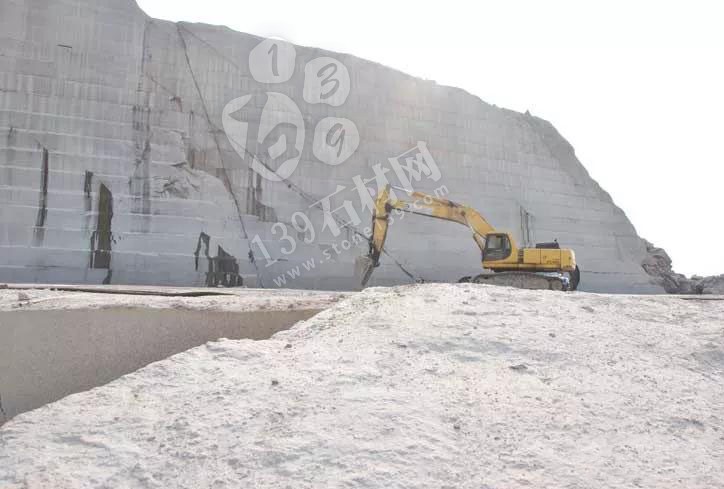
[134,150]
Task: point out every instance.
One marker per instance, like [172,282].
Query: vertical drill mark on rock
[191,156]
[11,135]
[2,410]
[87,190]
[254,204]
[39,231]
[88,199]
[140,184]
[221,270]
[144,54]
[102,237]
[140,181]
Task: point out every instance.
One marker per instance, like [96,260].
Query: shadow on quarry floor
[47,355]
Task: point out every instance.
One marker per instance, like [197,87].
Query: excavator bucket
[363,267]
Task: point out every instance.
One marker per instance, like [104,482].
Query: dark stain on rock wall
[102,237]
[39,231]
[88,199]
[222,270]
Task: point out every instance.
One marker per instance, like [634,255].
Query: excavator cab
[497,247]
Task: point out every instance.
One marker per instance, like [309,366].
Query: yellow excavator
[547,266]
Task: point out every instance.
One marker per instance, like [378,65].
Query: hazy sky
[637,87]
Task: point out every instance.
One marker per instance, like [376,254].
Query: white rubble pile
[457,386]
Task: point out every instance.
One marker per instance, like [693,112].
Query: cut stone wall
[115,166]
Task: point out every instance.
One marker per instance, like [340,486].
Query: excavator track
[522,280]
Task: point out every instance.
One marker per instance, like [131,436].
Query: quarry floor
[418,386]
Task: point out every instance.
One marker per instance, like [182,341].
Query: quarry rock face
[710,285]
[140,151]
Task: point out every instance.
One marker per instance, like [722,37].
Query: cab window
[497,247]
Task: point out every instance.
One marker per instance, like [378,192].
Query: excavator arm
[421,204]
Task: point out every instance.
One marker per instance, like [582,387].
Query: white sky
[637,87]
